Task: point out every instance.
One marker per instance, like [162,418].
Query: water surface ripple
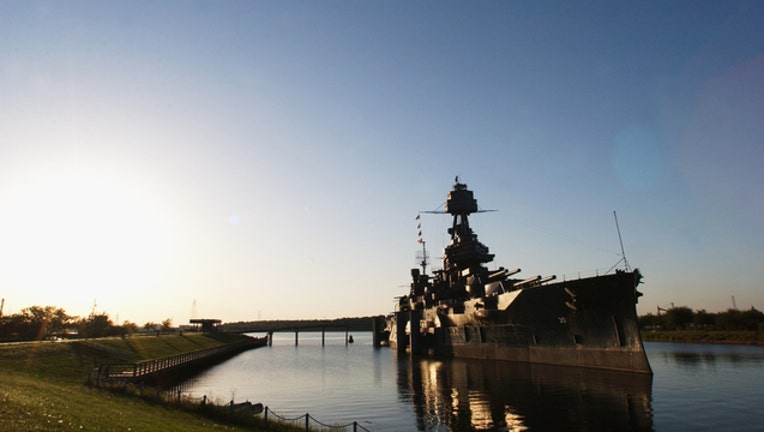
[695,387]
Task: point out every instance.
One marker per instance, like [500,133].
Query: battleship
[466,310]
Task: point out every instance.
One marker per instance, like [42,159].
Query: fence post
[307,422]
[265,417]
[178,397]
[355,426]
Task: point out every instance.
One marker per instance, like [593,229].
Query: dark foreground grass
[42,388]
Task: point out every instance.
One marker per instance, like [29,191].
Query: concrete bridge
[323,328]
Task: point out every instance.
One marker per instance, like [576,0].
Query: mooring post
[296,333]
[323,334]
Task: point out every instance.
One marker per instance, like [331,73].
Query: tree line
[684,318]
[48,322]
[352,324]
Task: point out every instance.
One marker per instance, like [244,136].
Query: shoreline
[720,337]
[44,387]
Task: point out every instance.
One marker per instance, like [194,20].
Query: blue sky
[267,159]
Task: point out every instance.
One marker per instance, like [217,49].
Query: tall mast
[623,254]
[423,259]
[423,262]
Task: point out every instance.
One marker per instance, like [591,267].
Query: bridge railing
[142,369]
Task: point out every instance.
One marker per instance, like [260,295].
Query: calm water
[695,387]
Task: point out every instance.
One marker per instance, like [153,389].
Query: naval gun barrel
[527,281]
[547,279]
[502,273]
[512,272]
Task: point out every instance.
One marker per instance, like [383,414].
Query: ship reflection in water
[480,395]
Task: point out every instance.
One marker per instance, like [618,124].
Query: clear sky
[266,160]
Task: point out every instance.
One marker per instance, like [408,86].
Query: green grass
[42,388]
[151,347]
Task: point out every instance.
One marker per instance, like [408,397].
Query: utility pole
[2,304]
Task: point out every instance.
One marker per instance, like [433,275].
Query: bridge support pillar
[377,326]
[415,337]
[402,340]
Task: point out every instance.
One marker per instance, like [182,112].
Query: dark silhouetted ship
[466,310]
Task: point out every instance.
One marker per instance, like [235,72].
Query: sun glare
[75,233]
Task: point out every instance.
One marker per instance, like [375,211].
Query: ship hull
[590,322]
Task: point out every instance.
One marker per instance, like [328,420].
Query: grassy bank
[42,388]
[740,337]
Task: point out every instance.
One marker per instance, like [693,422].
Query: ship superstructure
[467,310]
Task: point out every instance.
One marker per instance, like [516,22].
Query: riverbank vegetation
[50,322]
[42,387]
[682,324]
[740,337]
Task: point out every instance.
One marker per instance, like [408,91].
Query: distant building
[207,325]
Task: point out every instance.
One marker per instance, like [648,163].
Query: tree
[733,319]
[677,317]
[129,328]
[651,321]
[703,319]
[34,323]
[12,327]
[752,318]
[97,326]
[149,326]
[167,324]
[42,322]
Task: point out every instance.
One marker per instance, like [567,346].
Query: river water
[695,387]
